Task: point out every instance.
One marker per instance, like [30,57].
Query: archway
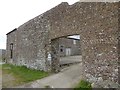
[65,51]
[97,23]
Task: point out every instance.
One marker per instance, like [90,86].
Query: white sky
[14,13]
[74,36]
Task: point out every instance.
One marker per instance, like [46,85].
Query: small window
[11,50]
[61,49]
[11,46]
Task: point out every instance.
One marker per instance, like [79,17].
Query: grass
[47,86]
[83,85]
[0,67]
[22,73]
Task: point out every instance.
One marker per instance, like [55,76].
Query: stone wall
[96,23]
[2,54]
[29,42]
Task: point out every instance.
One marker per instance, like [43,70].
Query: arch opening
[65,51]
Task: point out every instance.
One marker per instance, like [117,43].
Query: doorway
[68,51]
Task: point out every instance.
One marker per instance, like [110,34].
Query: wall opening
[11,50]
[65,51]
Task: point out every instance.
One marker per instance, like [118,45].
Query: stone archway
[56,55]
[99,38]
[97,24]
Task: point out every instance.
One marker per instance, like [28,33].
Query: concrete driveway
[70,59]
[68,78]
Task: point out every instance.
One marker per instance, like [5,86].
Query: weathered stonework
[95,22]
[2,54]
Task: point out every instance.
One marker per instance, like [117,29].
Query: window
[61,48]
[11,46]
[11,50]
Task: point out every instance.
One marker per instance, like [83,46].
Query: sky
[14,13]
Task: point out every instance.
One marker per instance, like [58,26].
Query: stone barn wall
[96,23]
[29,42]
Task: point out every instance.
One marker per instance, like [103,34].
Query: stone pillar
[119,58]
[48,58]
[100,58]
[55,55]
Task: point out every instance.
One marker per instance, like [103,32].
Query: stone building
[69,46]
[2,54]
[97,24]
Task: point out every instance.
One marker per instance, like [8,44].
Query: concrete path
[68,78]
[70,59]
[2,63]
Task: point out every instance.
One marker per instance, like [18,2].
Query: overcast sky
[14,13]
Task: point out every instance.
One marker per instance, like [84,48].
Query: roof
[11,31]
[74,38]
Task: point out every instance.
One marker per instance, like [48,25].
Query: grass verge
[83,85]
[21,74]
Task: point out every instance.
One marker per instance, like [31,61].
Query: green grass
[0,67]
[22,73]
[83,85]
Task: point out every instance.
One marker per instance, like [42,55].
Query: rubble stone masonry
[95,22]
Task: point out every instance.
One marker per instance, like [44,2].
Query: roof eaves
[11,31]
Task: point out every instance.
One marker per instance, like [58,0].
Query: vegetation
[83,85]
[0,66]
[0,59]
[22,74]
[47,86]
